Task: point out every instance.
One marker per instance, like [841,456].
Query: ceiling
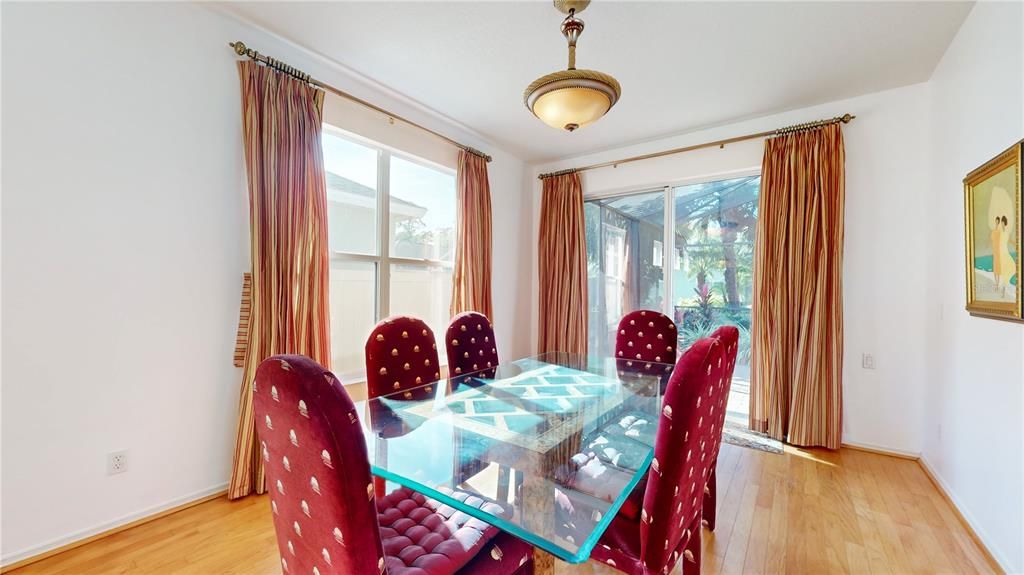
[682,66]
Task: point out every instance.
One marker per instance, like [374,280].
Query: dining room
[512,288]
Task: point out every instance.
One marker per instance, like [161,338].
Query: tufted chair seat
[623,442]
[597,470]
[421,535]
[328,515]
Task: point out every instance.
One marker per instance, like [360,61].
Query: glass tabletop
[558,440]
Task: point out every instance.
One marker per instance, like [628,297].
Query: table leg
[539,498]
[503,473]
[381,460]
[543,562]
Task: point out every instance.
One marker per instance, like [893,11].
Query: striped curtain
[471,284]
[244,313]
[797,355]
[281,128]
[562,265]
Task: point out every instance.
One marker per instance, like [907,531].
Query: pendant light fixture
[570,99]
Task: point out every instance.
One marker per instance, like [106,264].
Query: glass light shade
[571,108]
[571,99]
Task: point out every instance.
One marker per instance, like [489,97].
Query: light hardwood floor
[806,511]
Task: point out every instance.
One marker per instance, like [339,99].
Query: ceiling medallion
[570,99]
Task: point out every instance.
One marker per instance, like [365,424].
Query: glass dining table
[558,440]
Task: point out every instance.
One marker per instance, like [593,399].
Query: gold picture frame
[992,218]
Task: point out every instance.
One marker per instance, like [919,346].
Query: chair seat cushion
[624,442]
[619,546]
[503,555]
[635,426]
[609,458]
[631,506]
[422,536]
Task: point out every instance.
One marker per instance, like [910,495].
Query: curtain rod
[845,118]
[242,50]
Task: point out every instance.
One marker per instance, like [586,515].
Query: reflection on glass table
[575,432]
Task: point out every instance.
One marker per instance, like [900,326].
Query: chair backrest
[470,344]
[645,336]
[730,338]
[401,354]
[317,470]
[686,447]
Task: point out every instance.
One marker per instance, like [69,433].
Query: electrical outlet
[867,361]
[117,462]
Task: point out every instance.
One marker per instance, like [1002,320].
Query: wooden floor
[801,512]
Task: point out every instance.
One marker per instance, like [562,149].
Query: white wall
[884,263]
[974,399]
[124,239]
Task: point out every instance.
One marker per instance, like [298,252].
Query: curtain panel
[797,331]
[562,266]
[471,283]
[281,129]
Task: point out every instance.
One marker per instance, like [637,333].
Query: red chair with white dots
[686,448]
[473,352]
[401,356]
[729,336]
[645,336]
[329,517]
[470,344]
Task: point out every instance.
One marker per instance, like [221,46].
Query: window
[715,225]
[708,228]
[624,268]
[391,229]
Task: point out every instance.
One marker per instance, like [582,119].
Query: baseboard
[12,561]
[883,450]
[998,564]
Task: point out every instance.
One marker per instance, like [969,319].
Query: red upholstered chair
[646,335]
[401,354]
[729,336]
[472,349]
[688,438]
[470,344]
[328,516]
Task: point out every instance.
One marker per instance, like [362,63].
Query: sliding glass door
[625,261]
[715,225]
[687,251]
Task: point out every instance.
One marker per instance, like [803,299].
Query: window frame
[383,260]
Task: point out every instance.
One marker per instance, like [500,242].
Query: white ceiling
[682,66]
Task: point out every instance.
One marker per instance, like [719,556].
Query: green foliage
[690,335]
[705,305]
[413,232]
[702,319]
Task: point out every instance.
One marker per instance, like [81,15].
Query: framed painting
[992,216]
